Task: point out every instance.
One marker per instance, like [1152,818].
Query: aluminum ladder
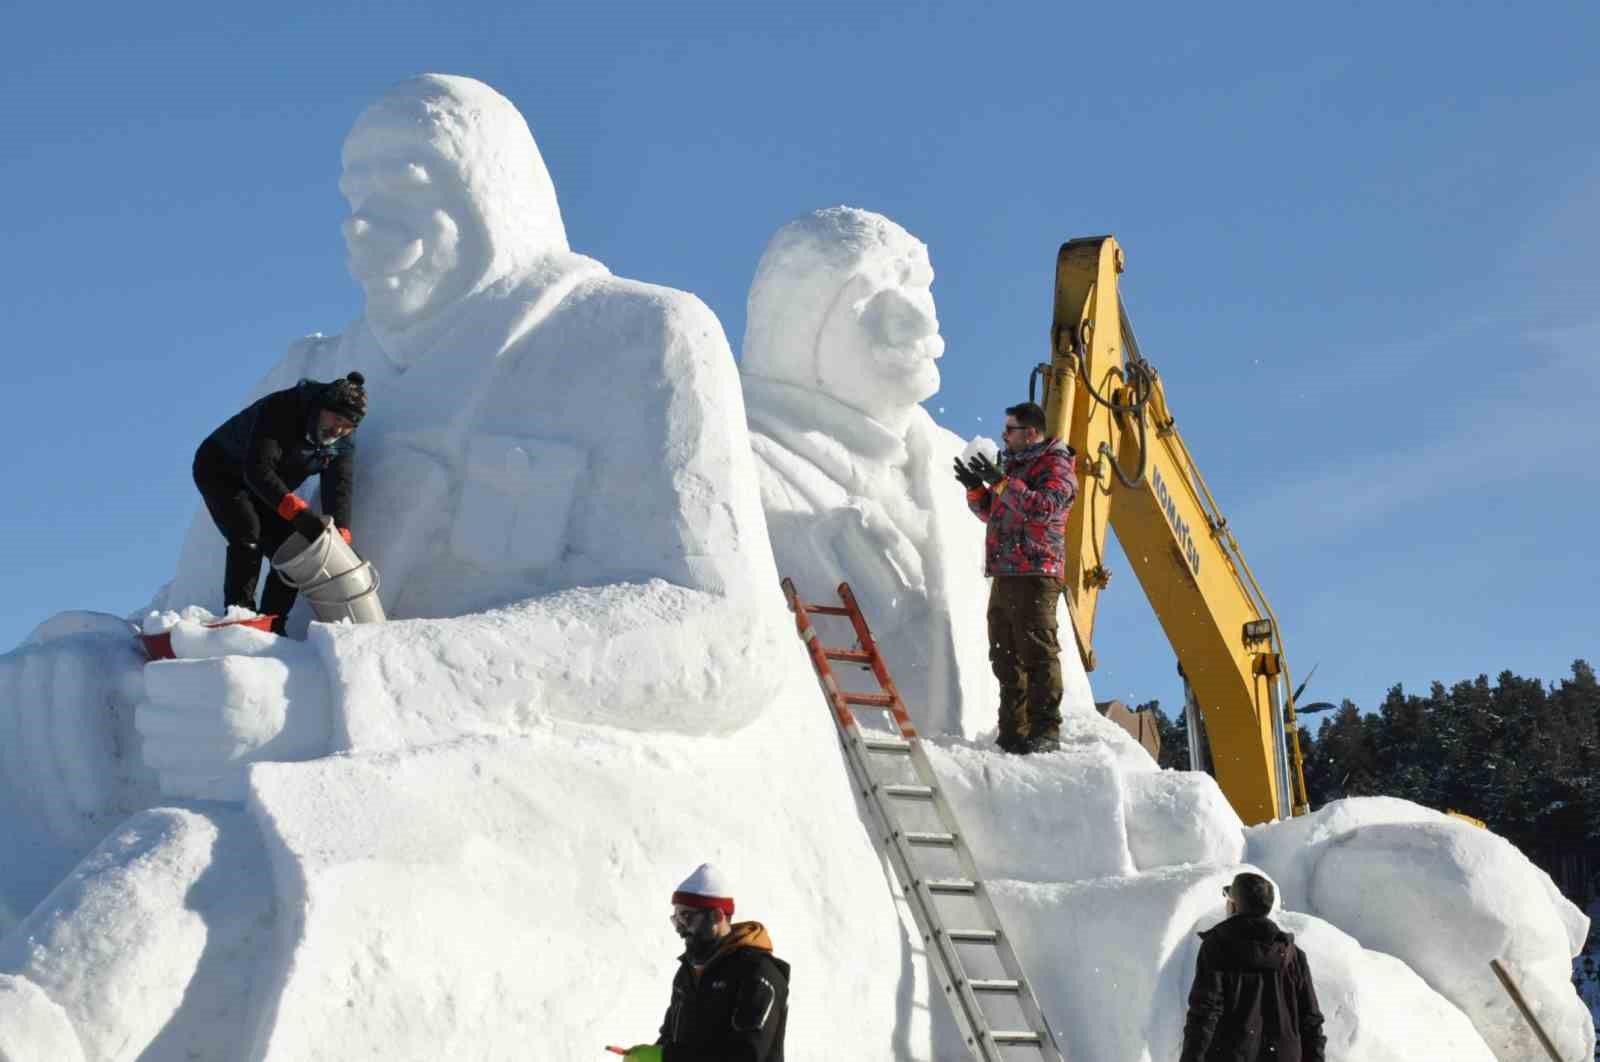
[967,995]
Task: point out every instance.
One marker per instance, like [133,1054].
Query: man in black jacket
[247,471]
[1252,999]
[730,998]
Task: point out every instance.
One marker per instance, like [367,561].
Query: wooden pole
[1516,997]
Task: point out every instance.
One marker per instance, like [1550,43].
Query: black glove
[308,525]
[969,479]
[984,469]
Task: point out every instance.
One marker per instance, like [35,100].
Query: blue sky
[1361,251]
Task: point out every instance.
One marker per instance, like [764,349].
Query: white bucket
[338,584]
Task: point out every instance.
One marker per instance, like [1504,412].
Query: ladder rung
[859,656]
[886,745]
[952,887]
[996,984]
[932,840]
[1014,1036]
[909,792]
[974,936]
[826,610]
[877,700]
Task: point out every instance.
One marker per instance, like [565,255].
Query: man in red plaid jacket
[1025,503]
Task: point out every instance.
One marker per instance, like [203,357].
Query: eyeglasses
[686,918]
[1009,428]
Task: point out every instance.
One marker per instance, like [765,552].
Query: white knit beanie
[706,887]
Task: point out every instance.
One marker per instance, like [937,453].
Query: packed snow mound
[159,621]
[552,858]
[1445,897]
[70,767]
[1376,1007]
[980,444]
[1132,959]
[152,947]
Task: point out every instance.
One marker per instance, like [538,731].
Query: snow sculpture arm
[233,696]
[1205,1008]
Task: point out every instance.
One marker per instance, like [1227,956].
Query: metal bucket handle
[377,581]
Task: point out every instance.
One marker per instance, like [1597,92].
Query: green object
[643,1053]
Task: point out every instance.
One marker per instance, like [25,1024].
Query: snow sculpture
[840,347]
[494,475]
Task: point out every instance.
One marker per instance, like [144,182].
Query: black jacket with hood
[733,1009]
[271,448]
[1252,999]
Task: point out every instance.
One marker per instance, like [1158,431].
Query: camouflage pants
[1026,655]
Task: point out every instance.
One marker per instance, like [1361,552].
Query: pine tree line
[1523,757]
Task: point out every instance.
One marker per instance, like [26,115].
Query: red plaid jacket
[1027,511]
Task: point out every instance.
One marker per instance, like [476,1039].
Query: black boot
[1013,737]
[276,600]
[241,575]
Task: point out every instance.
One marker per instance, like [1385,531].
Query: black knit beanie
[347,397]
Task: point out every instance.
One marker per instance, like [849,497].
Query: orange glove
[344,533]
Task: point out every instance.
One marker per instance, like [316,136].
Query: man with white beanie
[730,998]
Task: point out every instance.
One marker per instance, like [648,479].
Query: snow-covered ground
[454,835]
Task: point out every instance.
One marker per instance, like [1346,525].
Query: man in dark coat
[1025,501]
[247,471]
[1252,999]
[730,998]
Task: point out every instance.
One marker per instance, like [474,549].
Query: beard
[701,941]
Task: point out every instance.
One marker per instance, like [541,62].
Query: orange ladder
[966,994]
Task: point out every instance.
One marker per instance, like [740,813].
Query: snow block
[1177,817]
[1053,817]
[1108,958]
[1446,897]
[651,656]
[474,898]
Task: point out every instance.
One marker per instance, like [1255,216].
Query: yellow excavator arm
[1136,475]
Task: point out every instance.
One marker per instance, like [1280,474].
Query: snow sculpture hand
[233,696]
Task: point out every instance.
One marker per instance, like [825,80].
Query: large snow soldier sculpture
[840,346]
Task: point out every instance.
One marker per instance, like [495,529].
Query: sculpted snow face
[842,303]
[448,194]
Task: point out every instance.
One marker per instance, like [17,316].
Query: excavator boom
[1137,478]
